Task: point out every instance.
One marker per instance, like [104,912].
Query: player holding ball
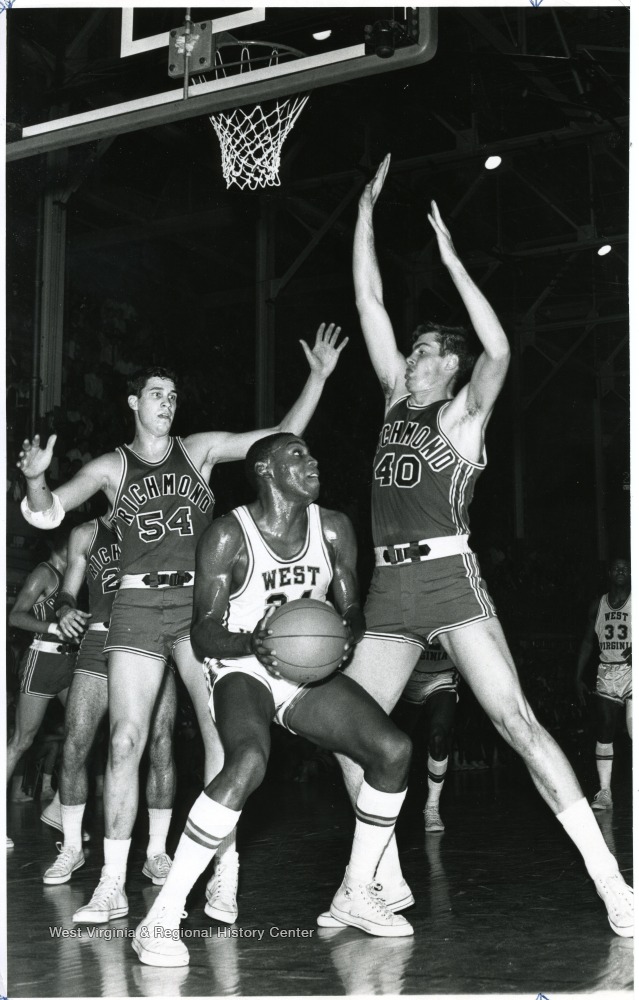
[280,548]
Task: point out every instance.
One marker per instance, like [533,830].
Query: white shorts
[614,681]
[285,693]
[421,685]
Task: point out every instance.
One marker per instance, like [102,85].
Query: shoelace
[162,863]
[379,903]
[105,888]
[620,892]
[225,881]
[65,855]
[169,916]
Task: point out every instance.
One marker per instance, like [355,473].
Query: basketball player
[46,668]
[431,691]
[94,556]
[279,548]
[157,488]
[610,619]
[427,583]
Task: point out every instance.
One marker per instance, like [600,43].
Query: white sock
[579,822]
[604,755]
[72,825]
[376,813]
[116,854]
[159,822]
[436,774]
[389,870]
[227,845]
[207,825]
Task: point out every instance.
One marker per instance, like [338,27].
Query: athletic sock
[436,773]
[604,755]
[376,813]
[116,853]
[226,845]
[389,870]
[579,822]
[159,822]
[72,825]
[207,825]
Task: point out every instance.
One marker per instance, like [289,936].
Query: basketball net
[251,141]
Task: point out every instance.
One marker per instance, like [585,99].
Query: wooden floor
[503,902]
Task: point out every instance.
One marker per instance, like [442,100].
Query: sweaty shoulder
[335,524]
[222,540]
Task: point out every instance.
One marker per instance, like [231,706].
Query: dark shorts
[92,659]
[150,622]
[44,675]
[424,599]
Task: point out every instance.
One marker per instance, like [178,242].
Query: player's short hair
[457,340]
[138,380]
[260,451]
[618,558]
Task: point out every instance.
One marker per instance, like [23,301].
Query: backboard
[335,44]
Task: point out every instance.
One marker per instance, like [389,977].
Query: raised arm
[585,652]
[39,583]
[71,619]
[34,461]
[224,446]
[340,539]
[477,399]
[388,362]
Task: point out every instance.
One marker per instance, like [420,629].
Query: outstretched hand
[372,191]
[33,460]
[447,251]
[326,351]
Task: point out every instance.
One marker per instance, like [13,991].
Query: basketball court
[182,186]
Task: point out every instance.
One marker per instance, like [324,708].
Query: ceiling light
[492,162]
[602,251]
[321,36]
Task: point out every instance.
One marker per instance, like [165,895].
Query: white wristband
[45,519]
[54,629]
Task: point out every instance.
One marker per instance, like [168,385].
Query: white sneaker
[602,800]
[619,900]
[108,902]
[157,868]
[221,891]
[157,938]
[357,905]
[432,820]
[63,867]
[396,897]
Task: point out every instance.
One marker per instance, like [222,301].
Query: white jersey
[272,581]
[614,631]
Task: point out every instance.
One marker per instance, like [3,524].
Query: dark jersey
[160,511]
[422,487]
[44,610]
[103,570]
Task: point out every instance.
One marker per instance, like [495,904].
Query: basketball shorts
[421,685]
[614,681]
[150,622]
[44,674]
[92,659]
[422,600]
[285,693]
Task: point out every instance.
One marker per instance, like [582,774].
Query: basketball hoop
[251,139]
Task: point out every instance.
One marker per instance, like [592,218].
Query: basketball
[307,640]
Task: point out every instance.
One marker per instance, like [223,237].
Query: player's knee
[75,750]
[438,744]
[246,766]
[396,749]
[161,748]
[126,744]
[520,729]
[22,739]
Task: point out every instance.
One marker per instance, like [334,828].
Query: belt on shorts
[42,646]
[179,578]
[422,551]
[98,627]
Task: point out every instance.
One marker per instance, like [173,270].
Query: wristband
[54,629]
[64,598]
[45,519]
